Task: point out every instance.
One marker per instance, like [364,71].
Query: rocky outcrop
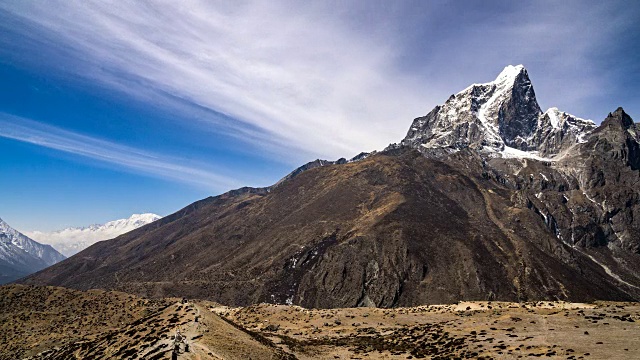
[557,131]
[492,116]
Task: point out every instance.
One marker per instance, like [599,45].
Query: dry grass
[57,323]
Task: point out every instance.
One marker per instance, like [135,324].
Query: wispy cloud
[283,75]
[137,160]
[324,79]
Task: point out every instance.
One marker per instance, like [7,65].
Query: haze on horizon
[114,108]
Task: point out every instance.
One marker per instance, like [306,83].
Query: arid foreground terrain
[57,323]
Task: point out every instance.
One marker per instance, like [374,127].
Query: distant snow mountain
[70,241]
[20,255]
[501,116]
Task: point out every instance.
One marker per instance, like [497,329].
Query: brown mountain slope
[35,319]
[395,229]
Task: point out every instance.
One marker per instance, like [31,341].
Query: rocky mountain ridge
[495,116]
[20,255]
[486,198]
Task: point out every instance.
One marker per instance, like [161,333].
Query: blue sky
[114,108]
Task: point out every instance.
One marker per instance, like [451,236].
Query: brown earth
[473,330]
[110,325]
[58,323]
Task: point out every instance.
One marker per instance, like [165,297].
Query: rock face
[606,169]
[20,256]
[491,116]
[486,198]
[557,131]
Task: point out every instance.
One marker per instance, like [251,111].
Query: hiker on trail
[175,352]
[177,340]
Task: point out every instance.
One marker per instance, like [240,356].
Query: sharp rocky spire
[497,116]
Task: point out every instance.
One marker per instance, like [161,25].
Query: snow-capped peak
[559,118]
[509,73]
[8,230]
[23,255]
[496,115]
[506,77]
[134,221]
[72,240]
[558,130]
[490,115]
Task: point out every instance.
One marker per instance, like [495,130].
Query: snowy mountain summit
[20,255]
[499,117]
[70,241]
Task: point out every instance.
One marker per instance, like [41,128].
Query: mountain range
[20,255]
[71,240]
[486,198]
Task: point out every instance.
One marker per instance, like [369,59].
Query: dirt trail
[195,331]
[210,337]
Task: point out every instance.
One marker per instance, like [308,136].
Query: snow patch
[553,117]
[590,199]
[512,153]
[581,138]
[510,72]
